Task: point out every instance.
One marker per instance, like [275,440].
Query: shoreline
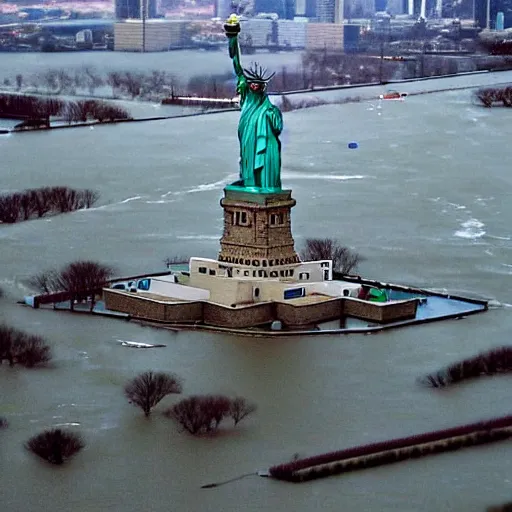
[318,96]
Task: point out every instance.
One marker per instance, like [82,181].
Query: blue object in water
[352,145]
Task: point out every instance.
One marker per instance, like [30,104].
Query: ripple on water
[316,176]
[129,199]
[198,237]
[471,230]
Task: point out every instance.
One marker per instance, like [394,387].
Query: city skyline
[318,10]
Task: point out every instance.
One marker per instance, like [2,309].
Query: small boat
[393,95]
[134,344]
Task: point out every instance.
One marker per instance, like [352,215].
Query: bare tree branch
[147,389]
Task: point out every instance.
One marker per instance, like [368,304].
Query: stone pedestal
[257,228]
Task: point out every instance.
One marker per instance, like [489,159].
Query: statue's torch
[232,26]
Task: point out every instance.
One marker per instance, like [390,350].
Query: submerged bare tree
[490,96]
[202,414]
[82,279]
[492,362]
[87,110]
[344,260]
[240,408]
[217,407]
[197,414]
[92,79]
[31,350]
[41,199]
[46,281]
[19,347]
[31,203]
[89,197]
[55,445]
[114,79]
[7,336]
[10,206]
[147,389]
[132,83]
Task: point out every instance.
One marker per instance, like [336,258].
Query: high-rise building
[289,9]
[222,9]
[300,8]
[329,11]
[128,9]
[395,7]
[285,9]
[270,6]
[495,6]
[325,11]
[481,13]
[311,8]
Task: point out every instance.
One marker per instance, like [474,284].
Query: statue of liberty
[260,123]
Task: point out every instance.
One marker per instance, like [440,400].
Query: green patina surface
[256,195]
[259,128]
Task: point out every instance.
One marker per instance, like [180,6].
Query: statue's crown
[257,74]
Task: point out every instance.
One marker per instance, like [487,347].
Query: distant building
[306,8]
[131,9]
[222,8]
[290,9]
[481,12]
[397,7]
[328,11]
[362,8]
[285,9]
[496,6]
[300,8]
[156,35]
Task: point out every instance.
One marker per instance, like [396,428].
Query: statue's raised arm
[232,29]
[260,123]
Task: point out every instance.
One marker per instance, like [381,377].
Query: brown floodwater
[424,198]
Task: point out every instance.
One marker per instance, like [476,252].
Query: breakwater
[193,101]
[394,450]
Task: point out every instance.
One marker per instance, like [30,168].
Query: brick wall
[402,310]
[299,316]
[259,238]
[184,312]
[380,312]
[293,316]
[238,318]
[149,309]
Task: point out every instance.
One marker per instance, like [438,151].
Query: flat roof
[308,299]
[155,296]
